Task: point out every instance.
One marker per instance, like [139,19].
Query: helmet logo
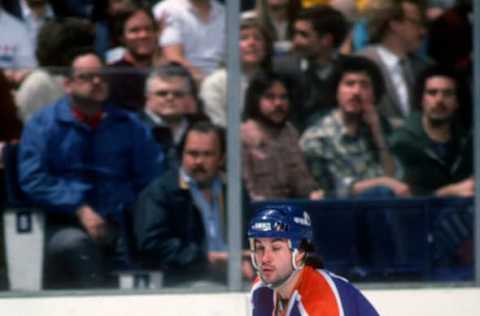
[262,226]
[279,227]
[305,220]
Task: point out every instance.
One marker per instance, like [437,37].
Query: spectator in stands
[397,29]
[56,43]
[84,161]
[278,17]
[180,219]
[16,51]
[33,14]
[193,34]
[170,90]
[434,148]
[347,150]
[105,14]
[348,154]
[273,164]
[139,36]
[255,56]
[318,32]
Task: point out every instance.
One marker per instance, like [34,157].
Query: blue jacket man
[64,163]
[85,161]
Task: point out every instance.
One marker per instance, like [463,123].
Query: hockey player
[290,279]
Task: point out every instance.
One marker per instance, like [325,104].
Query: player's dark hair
[312,259]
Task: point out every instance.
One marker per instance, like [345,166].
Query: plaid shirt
[273,164]
[337,159]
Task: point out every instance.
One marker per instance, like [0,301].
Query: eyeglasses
[173,93]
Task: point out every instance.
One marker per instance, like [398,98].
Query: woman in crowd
[255,55]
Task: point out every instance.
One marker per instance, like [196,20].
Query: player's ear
[300,256]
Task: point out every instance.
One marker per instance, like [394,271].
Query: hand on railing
[464,188]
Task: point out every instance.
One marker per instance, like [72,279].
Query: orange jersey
[317,293]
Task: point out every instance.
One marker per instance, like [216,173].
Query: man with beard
[433,147]
[349,157]
[347,150]
[273,164]
[179,221]
[85,161]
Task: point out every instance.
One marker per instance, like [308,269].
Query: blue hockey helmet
[281,221]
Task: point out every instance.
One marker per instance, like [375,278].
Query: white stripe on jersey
[332,285]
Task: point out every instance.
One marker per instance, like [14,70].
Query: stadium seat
[24,226]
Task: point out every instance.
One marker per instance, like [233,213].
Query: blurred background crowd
[117,109]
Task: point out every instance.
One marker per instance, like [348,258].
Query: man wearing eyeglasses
[171,102]
[84,161]
[397,29]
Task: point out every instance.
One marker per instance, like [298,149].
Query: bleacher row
[431,238]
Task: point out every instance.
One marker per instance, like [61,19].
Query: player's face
[202,156]
[439,99]
[274,259]
[355,92]
[274,104]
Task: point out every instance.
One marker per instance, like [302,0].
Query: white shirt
[203,43]
[32,22]
[16,50]
[392,62]
[213,93]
